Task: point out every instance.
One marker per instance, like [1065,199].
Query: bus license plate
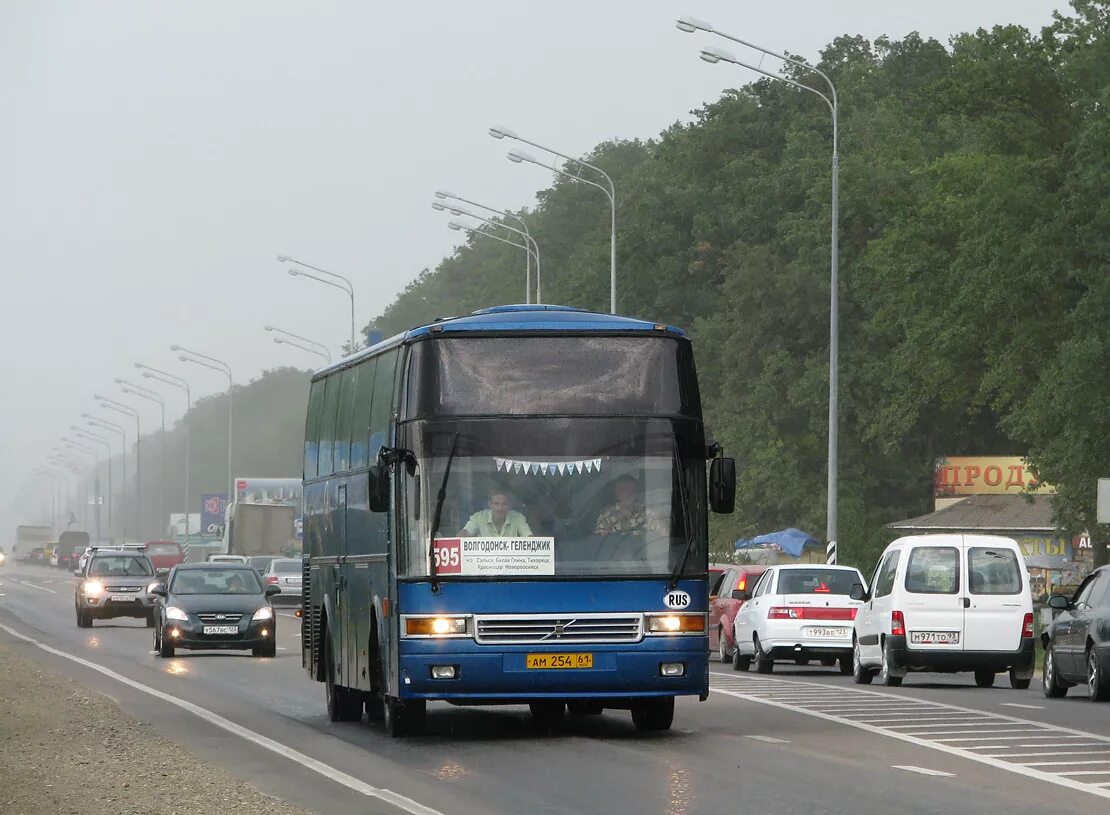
[122,598]
[554,661]
[935,637]
[221,629]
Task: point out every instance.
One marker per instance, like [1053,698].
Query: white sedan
[797,613]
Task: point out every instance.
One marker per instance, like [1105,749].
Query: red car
[723,605]
[164,555]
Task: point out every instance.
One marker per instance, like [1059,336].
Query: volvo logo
[559,629]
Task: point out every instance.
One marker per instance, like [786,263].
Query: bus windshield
[555,498]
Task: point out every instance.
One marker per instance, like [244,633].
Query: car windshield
[216,581]
[120,566]
[556,497]
[817,581]
[286,567]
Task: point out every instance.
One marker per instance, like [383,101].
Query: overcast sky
[155,157]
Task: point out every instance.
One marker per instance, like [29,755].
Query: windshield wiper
[440,498]
[680,567]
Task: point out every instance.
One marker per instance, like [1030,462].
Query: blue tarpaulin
[791,541]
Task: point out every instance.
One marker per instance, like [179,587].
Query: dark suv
[114,584]
[1077,643]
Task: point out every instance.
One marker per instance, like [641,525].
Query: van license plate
[555,661]
[935,637]
[221,629]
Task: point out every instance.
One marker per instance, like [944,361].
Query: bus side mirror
[378,485]
[722,485]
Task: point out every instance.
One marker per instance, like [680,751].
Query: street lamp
[180,383]
[714,55]
[459,225]
[96,438]
[349,287]
[311,346]
[447,194]
[127,410]
[153,396]
[214,364]
[115,428]
[532,250]
[610,191]
[89,451]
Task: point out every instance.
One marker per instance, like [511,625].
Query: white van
[946,603]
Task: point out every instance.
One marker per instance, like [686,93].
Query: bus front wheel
[653,714]
[403,718]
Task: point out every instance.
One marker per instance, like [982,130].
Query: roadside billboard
[985,475]
[213,510]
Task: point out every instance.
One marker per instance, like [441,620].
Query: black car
[1077,643]
[214,606]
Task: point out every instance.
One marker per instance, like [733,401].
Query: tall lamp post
[531,252]
[90,451]
[96,438]
[115,428]
[180,383]
[214,364]
[481,233]
[127,410]
[609,190]
[445,195]
[346,286]
[158,399]
[289,338]
[714,55]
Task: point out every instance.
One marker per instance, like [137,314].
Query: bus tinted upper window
[348,384]
[327,425]
[586,375]
[312,428]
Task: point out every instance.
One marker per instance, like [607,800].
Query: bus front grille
[527,629]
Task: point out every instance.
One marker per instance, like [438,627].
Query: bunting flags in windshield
[548,468]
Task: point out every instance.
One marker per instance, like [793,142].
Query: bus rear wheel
[403,718]
[653,714]
[344,704]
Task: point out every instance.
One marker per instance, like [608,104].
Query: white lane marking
[33,586]
[1065,763]
[768,739]
[282,648]
[1023,707]
[1087,772]
[331,773]
[922,770]
[1027,772]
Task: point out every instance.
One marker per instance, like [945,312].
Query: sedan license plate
[122,598]
[935,637]
[221,629]
[827,633]
[555,661]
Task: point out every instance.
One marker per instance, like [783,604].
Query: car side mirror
[378,486]
[722,485]
[159,590]
[857,592]
[161,572]
[743,595]
[272,590]
[1059,602]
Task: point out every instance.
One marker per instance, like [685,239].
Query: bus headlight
[436,626]
[674,623]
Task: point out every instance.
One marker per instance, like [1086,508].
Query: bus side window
[348,384]
[312,429]
[327,425]
[360,416]
[381,410]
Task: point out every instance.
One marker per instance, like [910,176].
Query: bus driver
[499,521]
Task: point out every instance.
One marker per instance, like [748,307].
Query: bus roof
[510,318]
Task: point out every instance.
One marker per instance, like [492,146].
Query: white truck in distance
[259,529]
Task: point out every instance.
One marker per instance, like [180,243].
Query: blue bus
[510,507]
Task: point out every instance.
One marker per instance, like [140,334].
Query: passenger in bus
[499,521]
[627,515]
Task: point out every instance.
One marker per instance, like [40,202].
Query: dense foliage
[974,259]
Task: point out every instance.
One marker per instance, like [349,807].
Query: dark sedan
[1077,643]
[207,606]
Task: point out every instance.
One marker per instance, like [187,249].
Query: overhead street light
[182,384]
[347,286]
[153,396]
[713,55]
[96,438]
[314,347]
[459,226]
[444,195]
[127,410]
[531,250]
[115,428]
[219,365]
[608,188]
[76,448]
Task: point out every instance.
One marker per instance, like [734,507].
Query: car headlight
[152,587]
[675,623]
[174,613]
[435,626]
[264,613]
[92,588]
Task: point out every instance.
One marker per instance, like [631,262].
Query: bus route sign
[477,557]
